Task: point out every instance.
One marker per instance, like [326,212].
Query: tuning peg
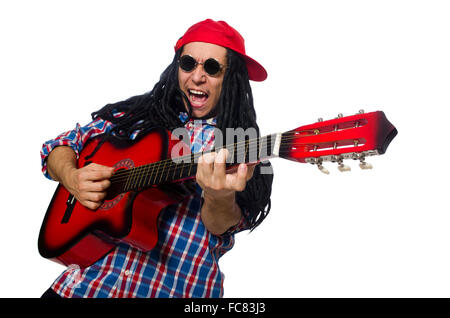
[323,169]
[340,115]
[361,111]
[343,168]
[364,165]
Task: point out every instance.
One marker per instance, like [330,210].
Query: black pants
[50,293]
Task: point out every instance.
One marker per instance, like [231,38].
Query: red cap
[220,33]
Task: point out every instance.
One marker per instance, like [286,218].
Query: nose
[199,74]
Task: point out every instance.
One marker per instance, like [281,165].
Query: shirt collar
[184,117]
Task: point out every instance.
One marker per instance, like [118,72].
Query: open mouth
[197,98]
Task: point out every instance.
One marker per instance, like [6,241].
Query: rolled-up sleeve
[75,139]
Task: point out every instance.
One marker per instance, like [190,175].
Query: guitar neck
[185,167]
[335,140]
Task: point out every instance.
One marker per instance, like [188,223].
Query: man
[208,81]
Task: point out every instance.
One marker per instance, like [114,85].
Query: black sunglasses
[211,66]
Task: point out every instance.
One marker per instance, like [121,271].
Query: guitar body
[74,234]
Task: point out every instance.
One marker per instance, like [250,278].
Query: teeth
[192,91]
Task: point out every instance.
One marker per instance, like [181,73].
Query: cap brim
[256,72]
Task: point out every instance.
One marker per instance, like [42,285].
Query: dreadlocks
[159,107]
[162,105]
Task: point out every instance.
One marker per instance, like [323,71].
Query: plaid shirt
[184,262]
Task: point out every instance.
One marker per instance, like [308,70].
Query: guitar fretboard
[184,167]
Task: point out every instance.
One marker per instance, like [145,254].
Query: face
[202,89]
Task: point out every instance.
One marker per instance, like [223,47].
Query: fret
[139,176]
[129,178]
[259,148]
[135,178]
[174,170]
[162,171]
[157,166]
[147,177]
[172,166]
[246,154]
[230,157]
[232,154]
[191,163]
[235,153]
[266,147]
[253,153]
[190,168]
[181,170]
[143,176]
[271,140]
[152,166]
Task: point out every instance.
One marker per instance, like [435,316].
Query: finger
[241,179]
[238,180]
[209,157]
[221,156]
[206,164]
[96,166]
[98,186]
[95,196]
[91,205]
[219,164]
[99,173]
[250,171]
[200,174]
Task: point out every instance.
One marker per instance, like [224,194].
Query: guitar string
[296,133]
[174,168]
[143,171]
[238,146]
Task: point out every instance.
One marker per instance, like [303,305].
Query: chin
[201,113]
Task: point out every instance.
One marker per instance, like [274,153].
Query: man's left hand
[215,181]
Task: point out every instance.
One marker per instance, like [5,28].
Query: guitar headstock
[351,137]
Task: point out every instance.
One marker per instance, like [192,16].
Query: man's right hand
[89,184]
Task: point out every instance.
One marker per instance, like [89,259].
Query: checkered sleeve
[242,225]
[75,139]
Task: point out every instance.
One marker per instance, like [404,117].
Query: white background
[378,233]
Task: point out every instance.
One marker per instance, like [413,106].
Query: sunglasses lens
[212,67]
[187,63]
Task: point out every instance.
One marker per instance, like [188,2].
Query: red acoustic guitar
[146,179]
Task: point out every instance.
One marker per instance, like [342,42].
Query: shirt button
[127,272]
